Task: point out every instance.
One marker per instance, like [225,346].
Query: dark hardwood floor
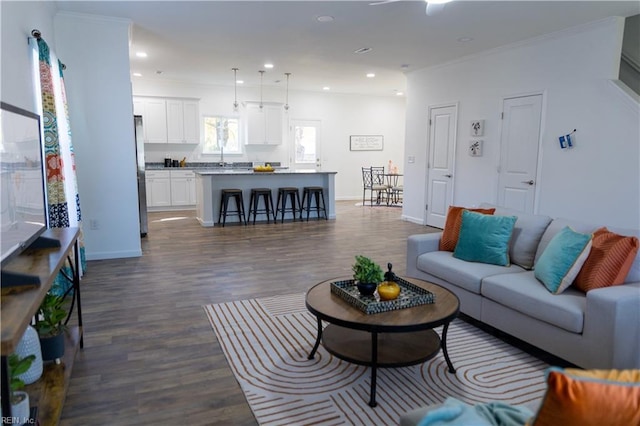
[150,356]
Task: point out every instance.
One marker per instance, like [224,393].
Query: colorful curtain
[63,201]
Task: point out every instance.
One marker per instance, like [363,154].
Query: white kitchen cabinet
[167,120]
[158,185]
[183,121]
[154,118]
[264,126]
[191,113]
[183,188]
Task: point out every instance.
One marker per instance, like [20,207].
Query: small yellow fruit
[388,290]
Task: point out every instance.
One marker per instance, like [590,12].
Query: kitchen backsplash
[204,165]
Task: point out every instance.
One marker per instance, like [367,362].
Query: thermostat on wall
[475,148]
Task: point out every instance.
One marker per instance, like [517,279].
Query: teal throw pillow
[562,259]
[484,238]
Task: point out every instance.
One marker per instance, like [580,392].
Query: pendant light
[286,104]
[261,75]
[235,89]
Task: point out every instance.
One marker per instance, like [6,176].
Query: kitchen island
[210,183]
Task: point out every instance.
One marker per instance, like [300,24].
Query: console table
[18,309]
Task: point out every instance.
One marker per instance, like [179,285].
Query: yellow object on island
[388,290]
[266,168]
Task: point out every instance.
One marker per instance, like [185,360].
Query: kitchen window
[221,134]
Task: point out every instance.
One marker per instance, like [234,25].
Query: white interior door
[305,145]
[519,148]
[442,146]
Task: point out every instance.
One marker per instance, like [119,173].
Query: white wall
[340,116]
[597,181]
[16,76]
[96,52]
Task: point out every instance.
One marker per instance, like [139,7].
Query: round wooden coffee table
[390,339]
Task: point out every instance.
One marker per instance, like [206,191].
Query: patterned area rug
[266,342]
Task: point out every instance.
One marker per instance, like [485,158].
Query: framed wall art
[366,142]
[477,128]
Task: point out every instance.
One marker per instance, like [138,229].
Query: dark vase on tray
[366,289]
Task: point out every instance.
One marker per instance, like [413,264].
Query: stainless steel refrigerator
[142,187]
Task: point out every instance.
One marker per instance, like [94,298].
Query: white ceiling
[200,41]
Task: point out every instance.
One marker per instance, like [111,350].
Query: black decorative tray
[410,295]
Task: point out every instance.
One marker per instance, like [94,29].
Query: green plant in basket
[366,270]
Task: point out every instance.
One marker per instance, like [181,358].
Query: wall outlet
[94,224]
[411,159]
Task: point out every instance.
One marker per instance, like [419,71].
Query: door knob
[449,176]
[528,182]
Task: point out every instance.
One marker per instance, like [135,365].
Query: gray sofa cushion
[526,234]
[556,226]
[466,275]
[524,293]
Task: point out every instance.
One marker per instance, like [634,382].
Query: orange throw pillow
[579,401]
[452,226]
[609,261]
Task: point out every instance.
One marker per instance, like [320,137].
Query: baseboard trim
[113,255]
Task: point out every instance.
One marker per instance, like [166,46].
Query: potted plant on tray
[367,275]
[19,399]
[50,327]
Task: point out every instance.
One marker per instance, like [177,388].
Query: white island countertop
[209,184]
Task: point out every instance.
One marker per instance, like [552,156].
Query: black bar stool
[236,194]
[281,204]
[254,200]
[307,193]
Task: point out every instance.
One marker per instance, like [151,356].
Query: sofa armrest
[613,318]
[417,245]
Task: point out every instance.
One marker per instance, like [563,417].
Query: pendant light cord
[286,105]
[235,89]
[261,75]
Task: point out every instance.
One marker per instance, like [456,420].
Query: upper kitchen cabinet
[169,120]
[154,118]
[264,126]
[183,121]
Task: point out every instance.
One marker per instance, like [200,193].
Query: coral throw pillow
[609,261]
[580,400]
[452,226]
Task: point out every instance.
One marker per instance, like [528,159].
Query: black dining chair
[373,181]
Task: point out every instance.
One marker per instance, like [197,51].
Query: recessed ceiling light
[404,66]
[465,39]
[370,75]
[137,74]
[399,93]
[141,54]
[240,81]
[363,50]
[268,66]
[324,18]
[326,88]
[159,72]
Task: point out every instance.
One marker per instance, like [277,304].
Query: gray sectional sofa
[598,329]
